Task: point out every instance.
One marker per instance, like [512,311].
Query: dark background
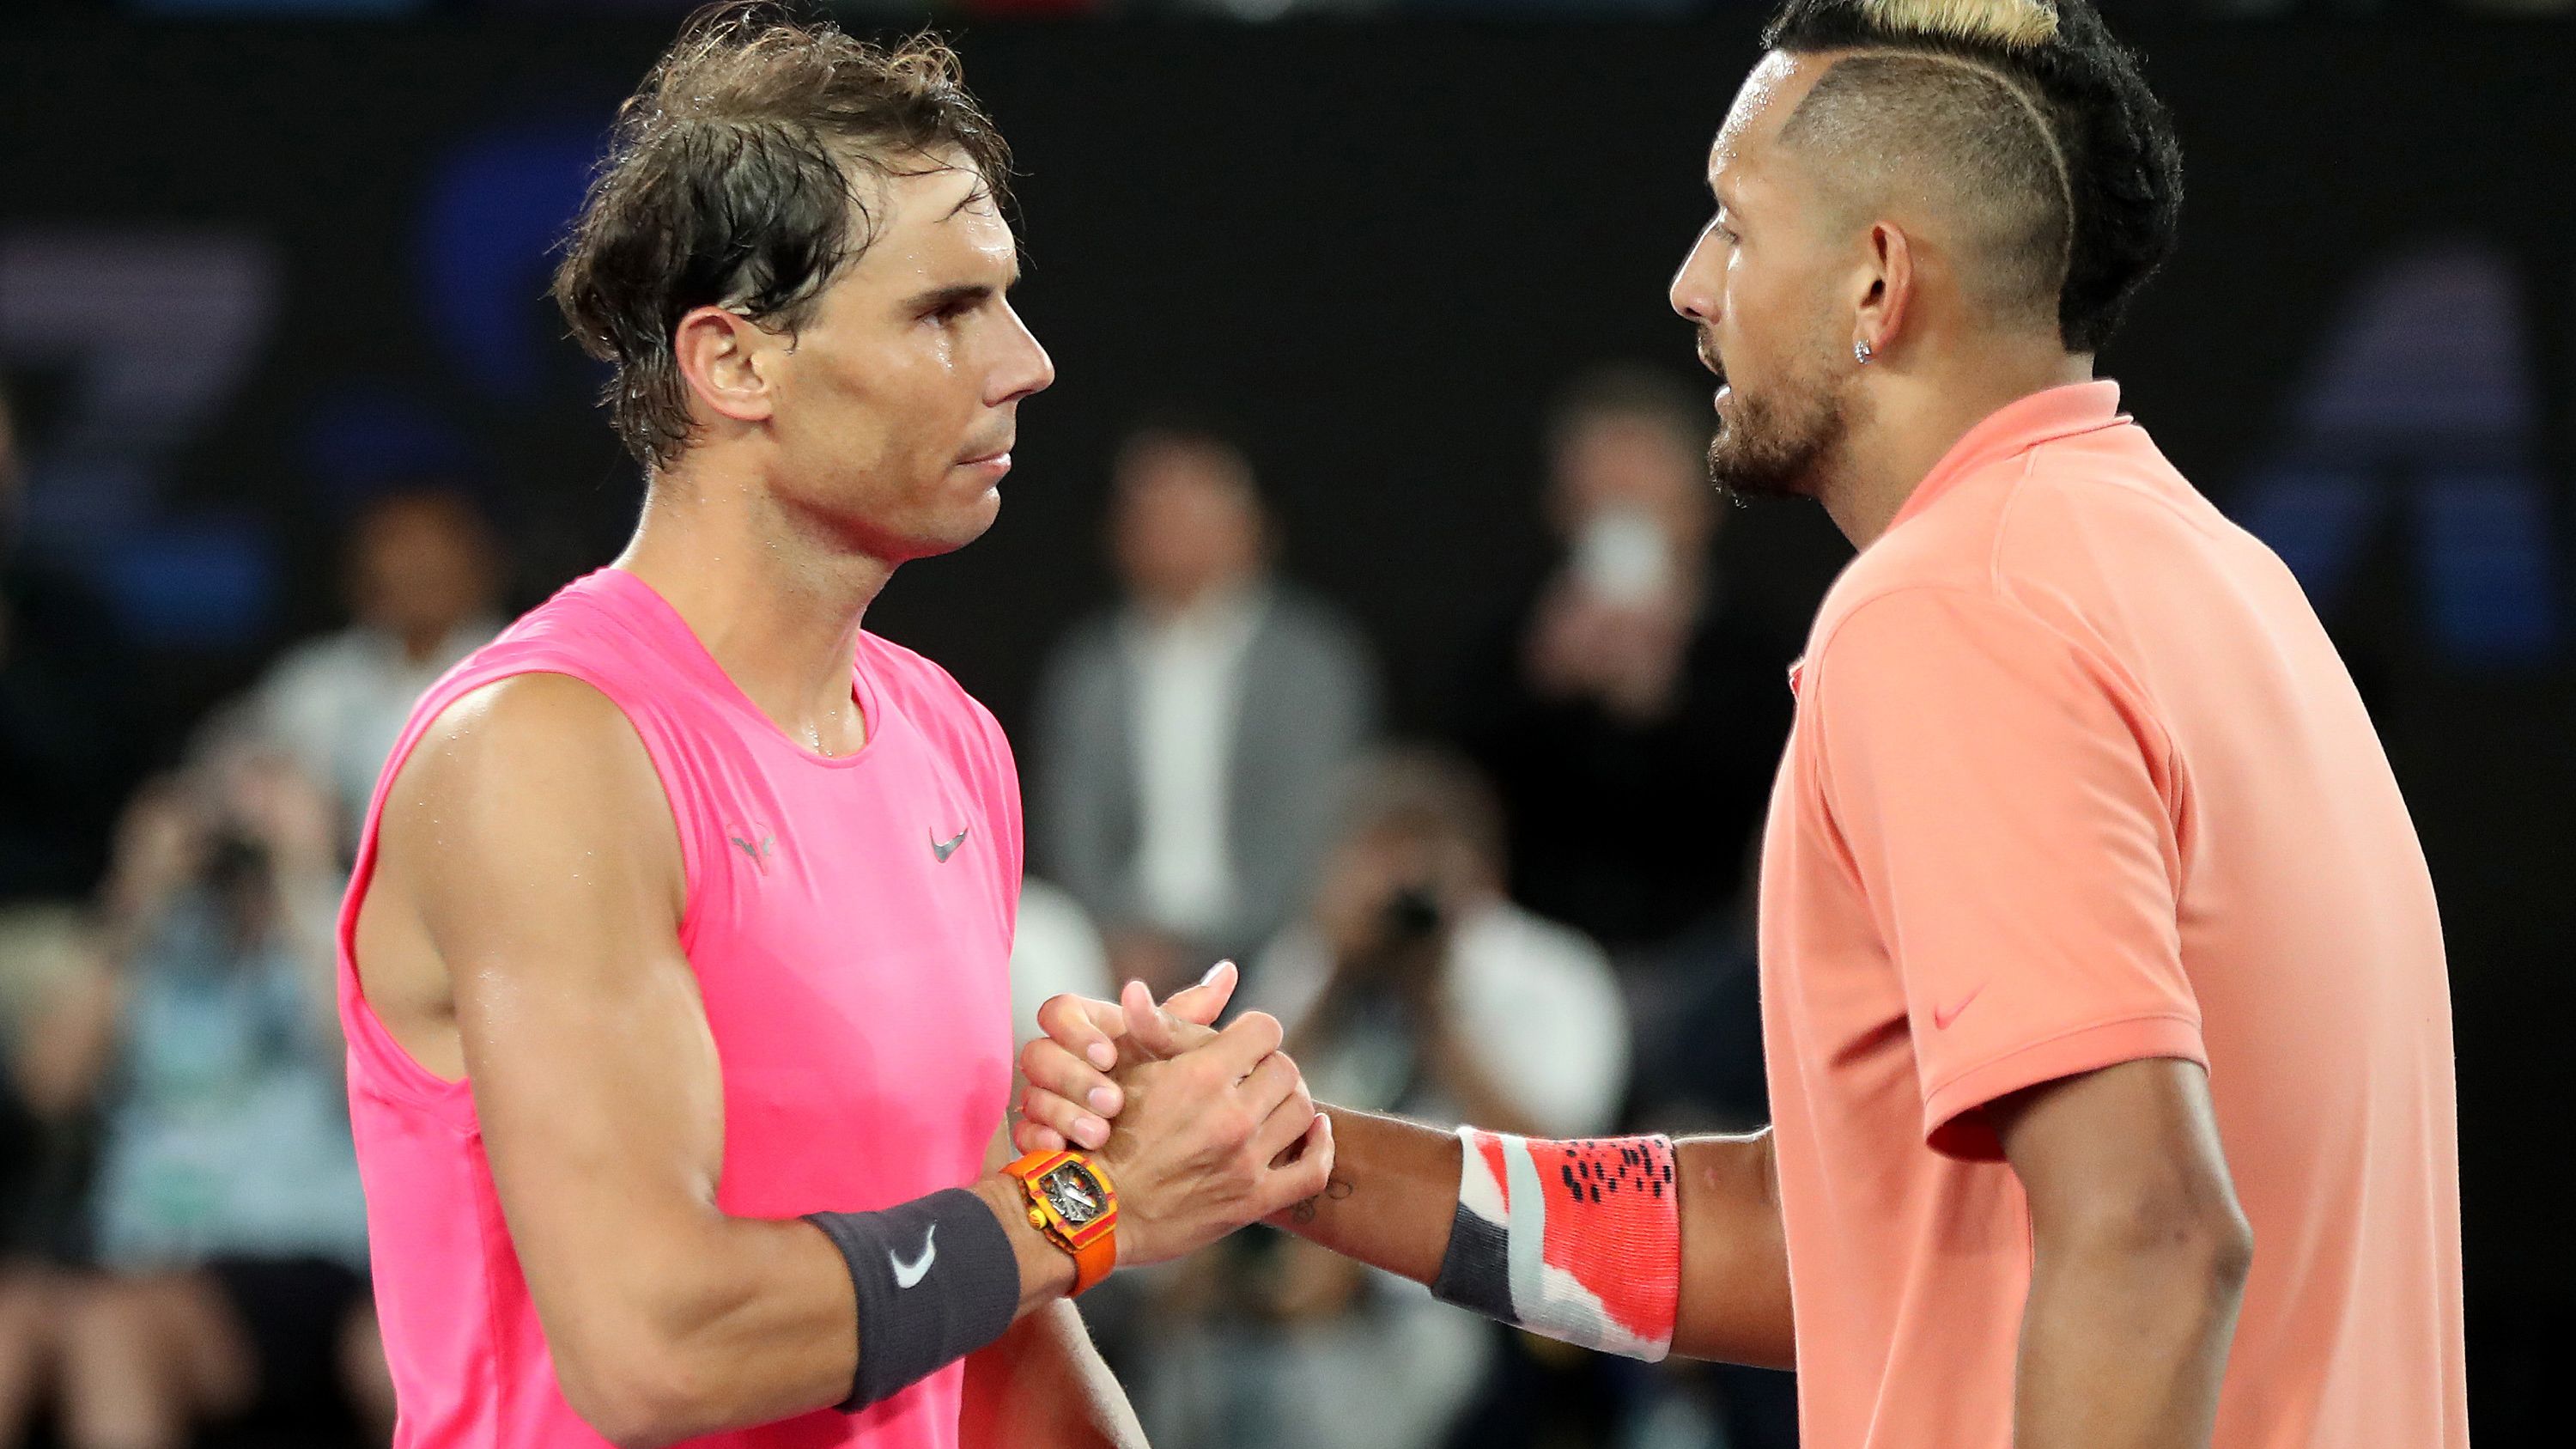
[1381,248]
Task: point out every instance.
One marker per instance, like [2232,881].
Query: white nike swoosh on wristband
[908,1274]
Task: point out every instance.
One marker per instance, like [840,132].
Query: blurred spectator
[1056,951]
[65,740]
[1189,736]
[1413,986]
[230,1228]
[423,582]
[1634,712]
[51,985]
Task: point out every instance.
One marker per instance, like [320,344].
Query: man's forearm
[1043,1386]
[1735,1259]
[2124,1344]
[753,1324]
[1394,1197]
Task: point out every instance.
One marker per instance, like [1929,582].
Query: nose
[1025,368]
[1694,293]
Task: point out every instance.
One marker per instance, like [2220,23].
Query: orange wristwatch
[1072,1202]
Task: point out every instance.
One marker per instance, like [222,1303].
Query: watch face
[1074,1193]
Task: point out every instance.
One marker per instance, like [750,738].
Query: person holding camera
[1410,983]
[228,1227]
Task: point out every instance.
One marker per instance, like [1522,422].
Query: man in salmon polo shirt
[2103,987]
[675,969]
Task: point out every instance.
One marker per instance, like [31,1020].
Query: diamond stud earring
[1861,353]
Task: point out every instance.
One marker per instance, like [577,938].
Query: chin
[949,534]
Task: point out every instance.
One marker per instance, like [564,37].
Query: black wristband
[936,1280]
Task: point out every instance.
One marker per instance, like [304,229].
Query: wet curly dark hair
[729,180]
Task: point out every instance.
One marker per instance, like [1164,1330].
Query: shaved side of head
[2114,143]
[1955,153]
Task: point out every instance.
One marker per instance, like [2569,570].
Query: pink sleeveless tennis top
[849,920]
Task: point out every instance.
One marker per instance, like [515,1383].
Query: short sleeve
[2002,798]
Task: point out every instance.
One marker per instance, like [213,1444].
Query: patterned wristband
[1578,1241]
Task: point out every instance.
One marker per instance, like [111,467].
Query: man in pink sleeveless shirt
[2104,997]
[674,971]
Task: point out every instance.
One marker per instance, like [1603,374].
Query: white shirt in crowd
[338,703]
[1189,692]
[1057,952]
[1536,1000]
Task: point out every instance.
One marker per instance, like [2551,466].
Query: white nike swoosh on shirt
[908,1274]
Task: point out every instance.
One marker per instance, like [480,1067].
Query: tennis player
[2103,987]
[675,967]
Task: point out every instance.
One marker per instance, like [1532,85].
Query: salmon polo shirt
[2077,779]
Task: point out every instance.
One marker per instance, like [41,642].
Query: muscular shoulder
[533,768]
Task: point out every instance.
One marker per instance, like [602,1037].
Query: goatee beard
[1761,455]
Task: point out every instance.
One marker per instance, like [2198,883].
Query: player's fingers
[1241,1046]
[1030,1137]
[1272,1081]
[1150,1029]
[1049,1067]
[1205,1002]
[1072,1123]
[1287,1122]
[1084,1026]
[1154,1034]
[1308,1172]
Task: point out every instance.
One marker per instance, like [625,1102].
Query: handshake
[1200,1131]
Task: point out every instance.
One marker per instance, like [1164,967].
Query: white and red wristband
[1578,1241]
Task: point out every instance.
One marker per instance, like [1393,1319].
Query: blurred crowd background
[1359,607]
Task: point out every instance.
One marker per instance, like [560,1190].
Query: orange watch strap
[1092,1262]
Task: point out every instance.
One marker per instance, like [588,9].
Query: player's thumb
[1204,1003]
[1148,1025]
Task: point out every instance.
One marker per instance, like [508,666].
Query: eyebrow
[939,298]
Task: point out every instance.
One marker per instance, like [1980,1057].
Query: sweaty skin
[522,926]
[2140,1250]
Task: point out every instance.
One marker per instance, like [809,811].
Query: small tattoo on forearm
[1336,1189]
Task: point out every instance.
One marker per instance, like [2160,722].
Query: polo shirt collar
[2017,426]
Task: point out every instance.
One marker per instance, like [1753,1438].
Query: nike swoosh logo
[945,851]
[908,1274]
[1941,1019]
[759,853]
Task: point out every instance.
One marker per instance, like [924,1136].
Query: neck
[775,602]
[420,646]
[1168,606]
[1915,414]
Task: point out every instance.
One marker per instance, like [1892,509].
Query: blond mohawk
[2012,24]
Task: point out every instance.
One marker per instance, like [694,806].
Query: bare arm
[1043,1385]
[531,837]
[1393,1193]
[2139,1258]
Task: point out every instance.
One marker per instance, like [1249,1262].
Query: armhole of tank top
[398,1072]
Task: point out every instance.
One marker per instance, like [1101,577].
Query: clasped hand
[1201,1131]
